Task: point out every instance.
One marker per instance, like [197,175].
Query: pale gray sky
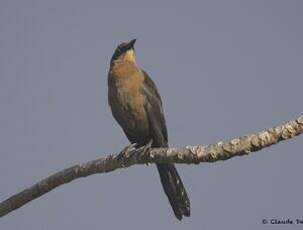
[223,68]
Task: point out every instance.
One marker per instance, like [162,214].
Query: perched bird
[137,107]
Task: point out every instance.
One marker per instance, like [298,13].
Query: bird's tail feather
[174,190]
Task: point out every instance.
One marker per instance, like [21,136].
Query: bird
[137,107]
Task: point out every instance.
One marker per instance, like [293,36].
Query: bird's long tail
[174,189]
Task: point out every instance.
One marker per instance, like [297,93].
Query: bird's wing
[154,110]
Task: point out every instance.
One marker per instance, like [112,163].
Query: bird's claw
[127,151]
[145,148]
[131,149]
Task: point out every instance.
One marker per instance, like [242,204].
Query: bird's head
[125,52]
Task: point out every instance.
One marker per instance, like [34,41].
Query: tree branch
[189,155]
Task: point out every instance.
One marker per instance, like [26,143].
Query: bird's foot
[145,148]
[127,151]
[131,150]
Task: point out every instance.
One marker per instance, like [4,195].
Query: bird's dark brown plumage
[137,107]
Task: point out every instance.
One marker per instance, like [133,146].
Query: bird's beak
[131,43]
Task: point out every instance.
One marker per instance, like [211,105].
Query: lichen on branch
[189,155]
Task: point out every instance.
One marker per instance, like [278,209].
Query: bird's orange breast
[126,99]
